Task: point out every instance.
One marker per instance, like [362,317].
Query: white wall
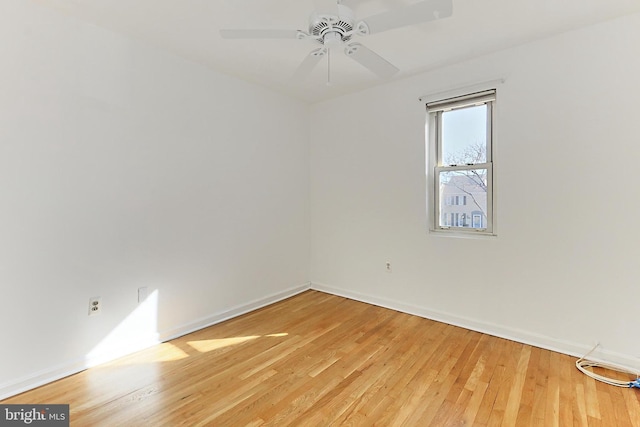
[564,270]
[122,166]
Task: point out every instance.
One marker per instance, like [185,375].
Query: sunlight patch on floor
[165,352]
[204,346]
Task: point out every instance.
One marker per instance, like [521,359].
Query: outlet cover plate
[95,306]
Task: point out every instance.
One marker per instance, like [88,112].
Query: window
[460,162]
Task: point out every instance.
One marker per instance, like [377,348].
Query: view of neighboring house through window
[460,140]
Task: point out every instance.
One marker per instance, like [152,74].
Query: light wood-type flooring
[321,360]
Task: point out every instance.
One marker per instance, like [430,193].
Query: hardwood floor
[321,360]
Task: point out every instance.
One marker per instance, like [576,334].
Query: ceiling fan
[333,25]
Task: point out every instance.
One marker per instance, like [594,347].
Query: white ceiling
[190,28]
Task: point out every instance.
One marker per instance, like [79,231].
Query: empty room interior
[277,212]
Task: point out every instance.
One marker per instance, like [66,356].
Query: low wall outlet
[95,306]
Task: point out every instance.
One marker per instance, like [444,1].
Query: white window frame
[435,164]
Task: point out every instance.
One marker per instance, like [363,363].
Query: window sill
[459,234]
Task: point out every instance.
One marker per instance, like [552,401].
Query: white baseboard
[624,361]
[236,311]
[40,378]
[55,373]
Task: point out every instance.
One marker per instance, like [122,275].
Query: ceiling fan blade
[370,60]
[326,6]
[308,64]
[417,13]
[259,34]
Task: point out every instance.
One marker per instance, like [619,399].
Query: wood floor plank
[631,399]
[592,405]
[552,413]
[505,385]
[421,354]
[319,359]
[527,399]
[538,411]
[619,405]
[445,365]
[606,405]
[516,389]
[492,375]
[461,395]
[567,391]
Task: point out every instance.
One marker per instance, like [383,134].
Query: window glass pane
[470,186]
[464,136]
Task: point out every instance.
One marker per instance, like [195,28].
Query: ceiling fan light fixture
[332,39]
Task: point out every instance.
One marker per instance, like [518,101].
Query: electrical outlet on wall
[95,306]
[388,266]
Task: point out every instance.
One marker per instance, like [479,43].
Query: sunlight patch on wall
[137,331]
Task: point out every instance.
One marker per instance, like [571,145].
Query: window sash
[488,137]
[438,170]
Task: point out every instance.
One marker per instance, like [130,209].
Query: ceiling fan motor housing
[332,30]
